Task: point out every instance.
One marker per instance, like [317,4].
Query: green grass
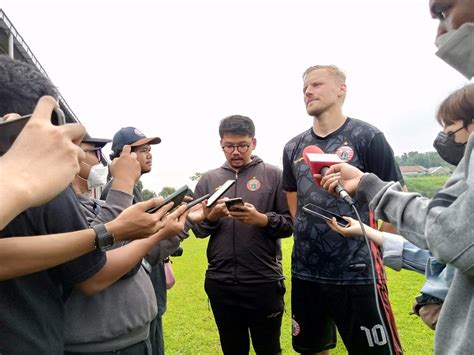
[425,185]
[189,325]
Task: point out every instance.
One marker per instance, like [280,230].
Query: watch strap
[103,238]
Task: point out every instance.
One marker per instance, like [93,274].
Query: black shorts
[318,308]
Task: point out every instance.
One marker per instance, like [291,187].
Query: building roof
[412,169]
[11,43]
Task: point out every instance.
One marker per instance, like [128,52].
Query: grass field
[425,185]
[189,325]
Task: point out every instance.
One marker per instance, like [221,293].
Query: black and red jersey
[320,254]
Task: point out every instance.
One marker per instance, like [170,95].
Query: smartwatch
[103,238]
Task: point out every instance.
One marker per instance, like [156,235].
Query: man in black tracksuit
[244,279]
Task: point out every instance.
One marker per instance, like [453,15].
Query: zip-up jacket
[239,252]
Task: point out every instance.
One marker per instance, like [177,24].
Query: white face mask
[456,48]
[97,176]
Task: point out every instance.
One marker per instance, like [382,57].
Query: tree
[196,176]
[166,191]
[147,194]
[427,160]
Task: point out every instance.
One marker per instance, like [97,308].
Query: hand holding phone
[324,214]
[40,144]
[176,197]
[234,204]
[9,130]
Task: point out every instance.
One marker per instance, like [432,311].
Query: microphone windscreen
[311,149]
[318,161]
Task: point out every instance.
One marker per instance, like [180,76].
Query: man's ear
[342,89]
[254,143]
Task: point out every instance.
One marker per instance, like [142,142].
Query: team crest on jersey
[295,328]
[253,184]
[345,153]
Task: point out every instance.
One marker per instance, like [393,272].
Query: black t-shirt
[31,307]
[319,254]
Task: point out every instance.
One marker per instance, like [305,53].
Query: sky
[174,69]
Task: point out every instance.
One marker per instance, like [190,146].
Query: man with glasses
[93,324]
[244,279]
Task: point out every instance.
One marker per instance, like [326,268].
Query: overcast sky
[173,69]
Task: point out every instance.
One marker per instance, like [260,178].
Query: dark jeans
[240,309]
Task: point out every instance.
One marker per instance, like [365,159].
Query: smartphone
[10,129]
[324,214]
[219,192]
[234,204]
[176,197]
[196,201]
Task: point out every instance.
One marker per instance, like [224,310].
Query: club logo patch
[253,184]
[345,153]
[295,328]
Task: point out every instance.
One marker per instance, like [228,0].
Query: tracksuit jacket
[238,252]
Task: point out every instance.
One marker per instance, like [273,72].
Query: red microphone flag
[318,161]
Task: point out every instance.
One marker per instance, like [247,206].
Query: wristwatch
[103,238]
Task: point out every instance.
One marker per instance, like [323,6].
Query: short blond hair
[335,71]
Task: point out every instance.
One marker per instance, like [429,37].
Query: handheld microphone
[319,163]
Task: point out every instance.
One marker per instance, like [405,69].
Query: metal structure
[12,44]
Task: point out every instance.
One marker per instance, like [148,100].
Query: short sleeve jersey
[320,254]
[32,306]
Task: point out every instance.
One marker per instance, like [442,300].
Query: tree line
[427,160]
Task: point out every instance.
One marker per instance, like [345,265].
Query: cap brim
[98,142]
[150,140]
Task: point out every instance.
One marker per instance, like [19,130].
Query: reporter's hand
[345,174]
[44,158]
[174,223]
[197,213]
[217,211]
[135,222]
[248,214]
[353,229]
[125,170]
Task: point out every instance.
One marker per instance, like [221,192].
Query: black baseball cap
[130,136]
[97,142]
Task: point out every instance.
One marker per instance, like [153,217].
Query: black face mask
[449,150]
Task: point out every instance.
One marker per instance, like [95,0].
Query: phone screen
[10,129]
[176,197]
[324,214]
[219,192]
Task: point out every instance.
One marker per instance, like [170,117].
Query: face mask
[97,176]
[449,150]
[456,48]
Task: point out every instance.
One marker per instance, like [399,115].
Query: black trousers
[244,311]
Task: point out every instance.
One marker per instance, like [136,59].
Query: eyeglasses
[241,148]
[97,151]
